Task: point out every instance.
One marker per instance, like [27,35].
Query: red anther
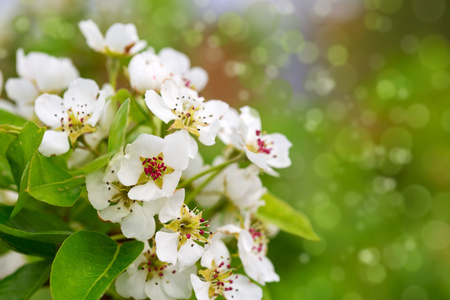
[188,236]
[201,231]
[160,274]
[202,220]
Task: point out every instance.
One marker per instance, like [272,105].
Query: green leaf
[19,154]
[6,177]
[284,216]
[49,183]
[87,263]
[94,165]
[137,113]
[119,127]
[11,119]
[21,150]
[83,213]
[32,232]
[42,294]
[266,293]
[122,95]
[26,281]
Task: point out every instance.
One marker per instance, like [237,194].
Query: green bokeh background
[361,88]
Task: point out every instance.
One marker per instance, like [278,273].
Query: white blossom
[39,73]
[182,241]
[150,277]
[11,261]
[119,40]
[243,187]
[189,112]
[218,278]
[8,197]
[111,198]
[148,70]
[178,64]
[252,246]
[81,156]
[5,104]
[267,151]
[153,166]
[69,117]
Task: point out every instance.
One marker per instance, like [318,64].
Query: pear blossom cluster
[157,187]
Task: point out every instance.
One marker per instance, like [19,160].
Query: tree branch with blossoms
[110,191]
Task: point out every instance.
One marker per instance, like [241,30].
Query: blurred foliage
[360,88]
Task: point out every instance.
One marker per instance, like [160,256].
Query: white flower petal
[147,145]
[201,288]
[21,90]
[153,207]
[175,151]
[54,143]
[189,254]
[174,88]
[176,62]
[94,37]
[98,192]
[132,286]
[146,72]
[216,251]
[137,224]
[230,229]
[156,104]
[250,117]
[171,207]
[7,106]
[154,289]
[21,65]
[120,38]
[279,156]
[130,169]
[243,289]
[258,159]
[145,192]
[166,246]
[114,213]
[170,182]
[198,78]
[178,285]
[82,97]
[97,109]
[53,74]
[49,109]
[138,46]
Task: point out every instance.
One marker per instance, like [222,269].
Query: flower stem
[118,237]
[212,169]
[200,187]
[113,67]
